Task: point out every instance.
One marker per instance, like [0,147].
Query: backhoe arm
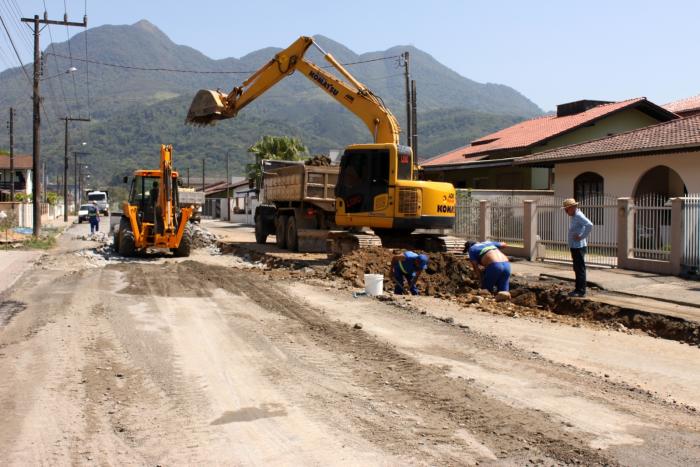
[209,106]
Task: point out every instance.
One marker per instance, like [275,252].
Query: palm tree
[285,148]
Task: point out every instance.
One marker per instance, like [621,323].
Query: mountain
[134,110]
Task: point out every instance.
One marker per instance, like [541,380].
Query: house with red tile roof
[487,162]
[22,176]
[662,159]
[685,107]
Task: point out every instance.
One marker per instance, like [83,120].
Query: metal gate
[691,234]
[553,228]
[507,220]
[652,227]
[466,216]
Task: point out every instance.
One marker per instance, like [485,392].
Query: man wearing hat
[408,266]
[579,229]
[496,267]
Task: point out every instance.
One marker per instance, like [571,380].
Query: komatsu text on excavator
[376,185]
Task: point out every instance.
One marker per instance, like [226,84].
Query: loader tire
[185,246]
[127,244]
[281,231]
[260,233]
[292,234]
[115,241]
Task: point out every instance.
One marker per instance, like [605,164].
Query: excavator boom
[209,106]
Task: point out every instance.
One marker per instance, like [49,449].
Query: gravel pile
[202,238]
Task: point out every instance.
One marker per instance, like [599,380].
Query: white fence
[691,234]
[467,216]
[652,227]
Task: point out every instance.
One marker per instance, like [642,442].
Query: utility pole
[409,125]
[11,125]
[36,110]
[65,164]
[414,122]
[204,165]
[188,177]
[228,190]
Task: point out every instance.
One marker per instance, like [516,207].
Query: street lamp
[67,72]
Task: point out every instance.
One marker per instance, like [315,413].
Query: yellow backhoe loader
[152,217]
[376,185]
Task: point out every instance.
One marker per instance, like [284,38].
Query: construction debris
[318,160]
[202,238]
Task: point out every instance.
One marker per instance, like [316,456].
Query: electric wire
[15,49]
[173,70]
[87,64]
[70,53]
[55,61]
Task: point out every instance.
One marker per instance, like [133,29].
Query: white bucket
[374,284]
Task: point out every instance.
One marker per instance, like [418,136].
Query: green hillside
[133,111]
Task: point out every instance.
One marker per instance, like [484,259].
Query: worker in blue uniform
[407,267]
[490,265]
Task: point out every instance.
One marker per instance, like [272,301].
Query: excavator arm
[209,106]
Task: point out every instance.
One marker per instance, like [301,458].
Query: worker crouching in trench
[491,266]
[407,267]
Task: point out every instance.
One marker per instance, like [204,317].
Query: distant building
[662,159]
[685,107]
[487,163]
[22,177]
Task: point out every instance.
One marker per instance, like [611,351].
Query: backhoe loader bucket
[206,107]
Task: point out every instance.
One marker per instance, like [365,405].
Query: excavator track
[341,243]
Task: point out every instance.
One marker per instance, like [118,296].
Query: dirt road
[213,360]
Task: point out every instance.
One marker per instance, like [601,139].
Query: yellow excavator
[376,185]
[152,217]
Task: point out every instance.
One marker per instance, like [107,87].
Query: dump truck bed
[299,182]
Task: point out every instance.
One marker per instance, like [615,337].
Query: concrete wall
[620,176]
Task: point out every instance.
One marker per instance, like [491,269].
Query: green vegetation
[281,148]
[132,112]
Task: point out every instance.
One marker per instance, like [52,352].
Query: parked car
[84,211]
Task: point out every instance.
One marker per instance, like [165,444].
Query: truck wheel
[281,231]
[292,235]
[260,234]
[185,246]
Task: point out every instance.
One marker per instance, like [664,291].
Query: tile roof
[22,162]
[674,134]
[684,105]
[528,133]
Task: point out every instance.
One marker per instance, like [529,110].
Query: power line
[15,49]
[55,61]
[70,53]
[172,70]
[87,64]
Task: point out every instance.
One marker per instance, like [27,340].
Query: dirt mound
[450,276]
[446,274]
[201,238]
[318,160]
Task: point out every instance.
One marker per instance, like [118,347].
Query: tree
[284,148]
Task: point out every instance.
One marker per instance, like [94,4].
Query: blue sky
[550,51]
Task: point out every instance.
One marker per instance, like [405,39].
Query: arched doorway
[660,180]
[652,218]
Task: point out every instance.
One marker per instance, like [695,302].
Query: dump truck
[297,205]
[190,198]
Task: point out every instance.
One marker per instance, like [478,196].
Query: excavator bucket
[206,107]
